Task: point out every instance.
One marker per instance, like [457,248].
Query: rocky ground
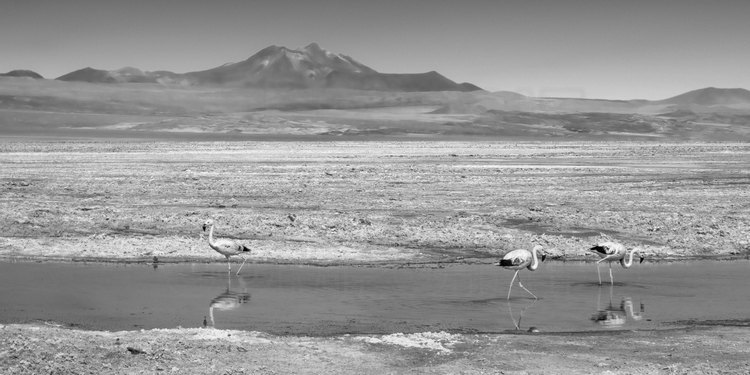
[374,203]
[43,349]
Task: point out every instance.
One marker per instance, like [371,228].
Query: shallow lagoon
[307,300]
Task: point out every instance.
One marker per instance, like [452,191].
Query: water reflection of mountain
[228,300]
[612,315]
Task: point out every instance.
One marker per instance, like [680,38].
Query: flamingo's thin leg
[511,283]
[524,288]
[243,263]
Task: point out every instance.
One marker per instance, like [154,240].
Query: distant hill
[135,75]
[22,73]
[38,106]
[430,81]
[281,67]
[314,67]
[123,75]
[711,96]
[88,75]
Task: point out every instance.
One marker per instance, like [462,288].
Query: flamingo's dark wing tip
[599,249]
[507,262]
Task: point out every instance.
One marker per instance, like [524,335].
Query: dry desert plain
[371,203]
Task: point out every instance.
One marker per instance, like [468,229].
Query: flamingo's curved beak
[544,256]
[642,259]
[204,227]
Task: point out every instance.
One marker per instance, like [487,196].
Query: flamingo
[518,260]
[613,251]
[225,247]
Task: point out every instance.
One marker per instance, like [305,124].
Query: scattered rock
[133,350]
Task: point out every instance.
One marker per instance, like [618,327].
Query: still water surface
[333,300]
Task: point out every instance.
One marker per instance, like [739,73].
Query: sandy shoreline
[411,263]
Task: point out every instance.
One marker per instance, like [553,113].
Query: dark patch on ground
[721,322]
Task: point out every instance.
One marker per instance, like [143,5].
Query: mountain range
[336,95]
[314,67]
[281,67]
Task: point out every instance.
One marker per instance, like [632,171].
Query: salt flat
[363,202]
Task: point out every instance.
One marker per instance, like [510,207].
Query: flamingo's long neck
[534,262]
[630,260]
[211,236]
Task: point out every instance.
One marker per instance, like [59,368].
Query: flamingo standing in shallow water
[610,252]
[518,260]
[225,247]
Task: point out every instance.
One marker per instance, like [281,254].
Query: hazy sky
[579,48]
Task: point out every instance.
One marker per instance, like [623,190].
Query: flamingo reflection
[228,300]
[517,323]
[615,316]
